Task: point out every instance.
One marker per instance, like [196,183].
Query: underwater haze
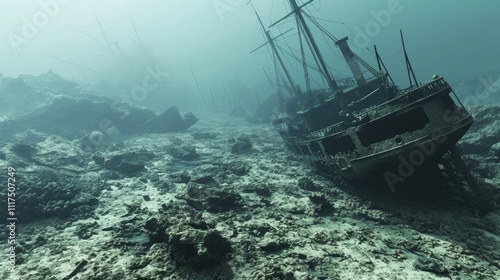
[456,39]
[246,139]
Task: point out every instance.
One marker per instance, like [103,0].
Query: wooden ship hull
[390,141]
[365,128]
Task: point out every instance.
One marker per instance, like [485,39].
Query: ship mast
[108,44]
[277,55]
[298,13]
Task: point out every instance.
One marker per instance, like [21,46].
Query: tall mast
[77,65]
[108,44]
[139,43]
[409,69]
[277,55]
[198,86]
[304,62]
[298,13]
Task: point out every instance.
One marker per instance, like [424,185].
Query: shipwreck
[365,128]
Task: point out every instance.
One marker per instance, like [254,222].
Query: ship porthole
[398,140]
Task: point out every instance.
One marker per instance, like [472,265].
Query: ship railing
[318,134]
[412,95]
[408,95]
[346,82]
[427,88]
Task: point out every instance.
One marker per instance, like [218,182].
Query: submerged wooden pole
[198,86]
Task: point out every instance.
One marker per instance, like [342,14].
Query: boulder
[199,249]
[495,150]
[18,98]
[127,162]
[73,118]
[491,222]
[170,120]
[54,152]
[243,145]
[212,200]
[485,131]
[321,206]
[184,152]
[191,241]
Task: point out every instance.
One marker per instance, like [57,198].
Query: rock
[156,231]
[191,241]
[307,184]
[47,194]
[56,151]
[98,158]
[270,270]
[205,180]
[72,118]
[181,177]
[199,249]
[485,131]
[263,190]
[271,245]
[495,150]
[491,222]
[93,140]
[139,263]
[52,82]
[170,120]
[243,145]
[321,205]
[23,150]
[31,136]
[62,86]
[164,186]
[427,264]
[483,89]
[238,168]
[212,200]
[18,98]
[128,162]
[152,176]
[184,177]
[259,231]
[85,231]
[16,86]
[185,152]
[321,237]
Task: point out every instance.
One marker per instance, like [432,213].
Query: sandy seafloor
[276,230]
